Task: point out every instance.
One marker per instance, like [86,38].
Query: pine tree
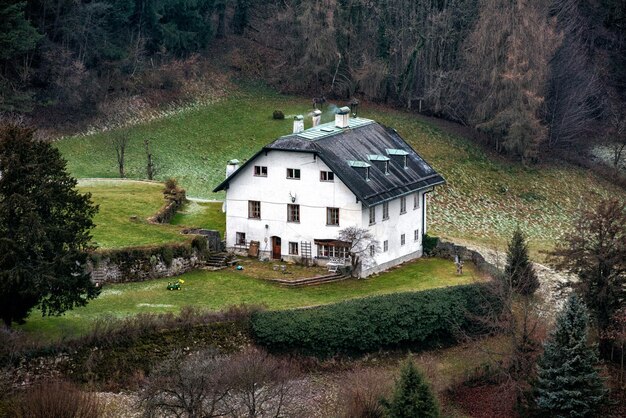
[568,385]
[519,270]
[412,396]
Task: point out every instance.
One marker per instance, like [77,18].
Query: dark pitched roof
[338,148]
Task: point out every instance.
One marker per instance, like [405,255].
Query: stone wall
[138,270]
[449,250]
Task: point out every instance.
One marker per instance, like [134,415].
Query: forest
[535,77]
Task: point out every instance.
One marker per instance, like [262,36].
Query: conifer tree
[412,396]
[568,385]
[519,270]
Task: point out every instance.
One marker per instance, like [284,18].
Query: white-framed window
[336,251]
[385,211]
[416,201]
[327,176]
[416,235]
[293,248]
[402,205]
[254,209]
[372,215]
[386,245]
[332,216]
[260,171]
[240,238]
[402,239]
[293,213]
[293,173]
[372,250]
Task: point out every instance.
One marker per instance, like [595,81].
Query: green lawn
[484,199]
[120,200]
[219,289]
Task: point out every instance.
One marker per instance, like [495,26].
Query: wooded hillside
[534,75]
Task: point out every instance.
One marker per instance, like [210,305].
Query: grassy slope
[201,214]
[483,201]
[216,290]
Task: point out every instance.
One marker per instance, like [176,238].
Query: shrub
[362,325]
[429,243]
[278,115]
[361,392]
[57,399]
[412,396]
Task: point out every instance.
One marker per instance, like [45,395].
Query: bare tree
[617,135]
[362,246]
[150,168]
[192,385]
[120,143]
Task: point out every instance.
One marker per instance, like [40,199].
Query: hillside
[485,197]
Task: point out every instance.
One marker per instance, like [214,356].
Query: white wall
[313,196]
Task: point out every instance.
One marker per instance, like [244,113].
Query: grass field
[201,214]
[218,289]
[484,199]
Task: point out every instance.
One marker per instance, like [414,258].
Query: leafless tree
[362,246]
[150,167]
[193,385]
[120,144]
[617,135]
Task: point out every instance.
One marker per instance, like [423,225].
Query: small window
[385,245]
[293,248]
[254,209]
[293,213]
[327,176]
[372,215]
[403,204]
[416,201]
[260,171]
[367,174]
[332,216]
[293,173]
[416,235]
[240,238]
[385,211]
[402,239]
[372,250]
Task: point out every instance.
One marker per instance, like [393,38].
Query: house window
[372,250]
[402,239]
[335,251]
[385,245]
[240,238]
[372,215]
[332,216]
[327,176]
[416,201]
[260,171]
[254,209]
[293,173]
[293,248]
[402,205]
[385,211]
[293,213]
[416,235]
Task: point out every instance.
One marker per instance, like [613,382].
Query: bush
[429,243]
[278,115]
[361,392]
[56,399]
[361,325]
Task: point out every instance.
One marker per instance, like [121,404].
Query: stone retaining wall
[449,250]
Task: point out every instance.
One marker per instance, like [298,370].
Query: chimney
[342,116]
[231,167]
[317,117]
[298,124]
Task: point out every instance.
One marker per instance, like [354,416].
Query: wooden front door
[276,248]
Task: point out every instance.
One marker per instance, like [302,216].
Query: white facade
[275,191]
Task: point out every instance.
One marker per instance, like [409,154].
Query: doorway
[276,248]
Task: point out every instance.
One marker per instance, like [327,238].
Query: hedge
[415,319]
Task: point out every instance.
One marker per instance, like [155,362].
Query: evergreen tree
[519,270]
[568,385]
[44,230]
[412,396]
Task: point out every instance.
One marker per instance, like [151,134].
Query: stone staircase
[217,261]
[312,281]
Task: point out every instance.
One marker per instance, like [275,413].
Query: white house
[296,193]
